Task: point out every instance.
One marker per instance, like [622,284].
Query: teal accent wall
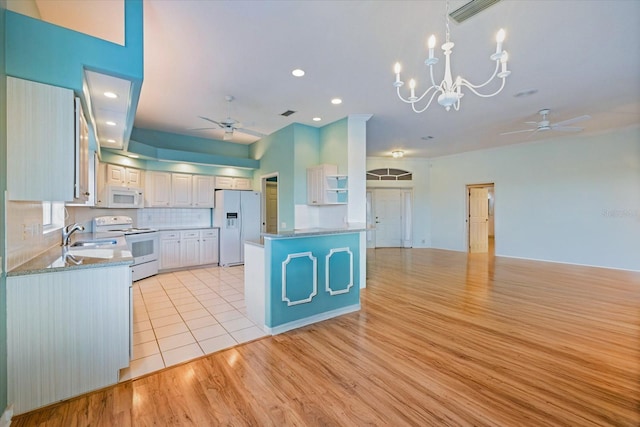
[3,187]
[275,153]
[300,276]
[174,141]
[46,53]
[306,144]
[333,145]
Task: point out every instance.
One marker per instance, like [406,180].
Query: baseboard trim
[5,421]
[312,319]
[569,263]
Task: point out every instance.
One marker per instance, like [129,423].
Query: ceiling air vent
[470,9]
[287,113]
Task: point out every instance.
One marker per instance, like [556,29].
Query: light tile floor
[186,314]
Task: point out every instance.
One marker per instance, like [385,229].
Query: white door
[388,217]
[478,220]
[272,207]
[371,232]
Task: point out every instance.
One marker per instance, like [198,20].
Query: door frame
[467,210]
[263,199]
[406,222]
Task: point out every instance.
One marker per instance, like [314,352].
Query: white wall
[574,199]
[419,184]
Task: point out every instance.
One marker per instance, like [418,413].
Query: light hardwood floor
[443,339]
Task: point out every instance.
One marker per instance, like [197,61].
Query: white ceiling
[583,57]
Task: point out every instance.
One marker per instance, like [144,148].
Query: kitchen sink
[92,243]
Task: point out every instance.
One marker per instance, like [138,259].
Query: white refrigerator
[237,213]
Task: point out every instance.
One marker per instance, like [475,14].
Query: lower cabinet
[67,333]
[188,248]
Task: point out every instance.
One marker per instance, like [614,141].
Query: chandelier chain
[447,21]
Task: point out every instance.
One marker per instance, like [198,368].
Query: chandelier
[450,91]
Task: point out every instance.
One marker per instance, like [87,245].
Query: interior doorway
[270,203]
[480,218]
[389,211]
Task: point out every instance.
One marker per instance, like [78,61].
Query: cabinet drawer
[189,234]
[170,235]
[210,233]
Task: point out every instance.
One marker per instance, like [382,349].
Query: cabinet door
[133,177]
[189,248]
[181,190]
[83,158]
[158,189]
[169,253]
[116,175]
[40,141]
[203,191]
[209,247]
[315,187]
[242,183]
[224,183]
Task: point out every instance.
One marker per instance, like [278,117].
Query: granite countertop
[63,259]
[305,232]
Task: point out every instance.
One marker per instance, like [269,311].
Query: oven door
[143,247]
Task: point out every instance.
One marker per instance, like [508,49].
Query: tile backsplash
[174,218]
[25,239]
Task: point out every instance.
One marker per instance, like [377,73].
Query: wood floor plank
[443,339]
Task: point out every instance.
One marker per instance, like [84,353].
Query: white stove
[142,242]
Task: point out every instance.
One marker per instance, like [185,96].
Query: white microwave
[114,196]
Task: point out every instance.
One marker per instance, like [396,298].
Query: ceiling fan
[230,125]
[545,125]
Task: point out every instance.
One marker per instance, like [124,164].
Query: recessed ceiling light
[111,141]
[110,123]
[133,156]
[317,119]
[336,101]
[110,95]
[397,154]
[298,72]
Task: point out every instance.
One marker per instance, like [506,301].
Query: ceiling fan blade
[533,133]
[251,132]
[519,131]
[574,120]
[531,123]
[210,120]
[566,128]
[201,128]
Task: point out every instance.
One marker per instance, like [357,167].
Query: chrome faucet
[68,231]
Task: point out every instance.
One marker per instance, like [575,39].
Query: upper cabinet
[325,186]
[123,176]
[229,183]
[40,141]
[179,190]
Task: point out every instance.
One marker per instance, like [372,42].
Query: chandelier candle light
[451,91]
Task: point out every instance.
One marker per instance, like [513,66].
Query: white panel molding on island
[327,271]
[314,276]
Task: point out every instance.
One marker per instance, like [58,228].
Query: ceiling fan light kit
[449,91]
[229,125]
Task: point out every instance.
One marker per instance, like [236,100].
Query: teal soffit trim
[46,53]
[164,154]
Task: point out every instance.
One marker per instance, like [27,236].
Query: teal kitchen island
[296,278]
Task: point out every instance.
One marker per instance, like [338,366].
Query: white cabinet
[188,248]
[229,183]
[203,191]
[181,190]
[209,247]
[83,189]
[40,141]
[325,186]
[158,189]
[123,176]
[67,333]
[169,250]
